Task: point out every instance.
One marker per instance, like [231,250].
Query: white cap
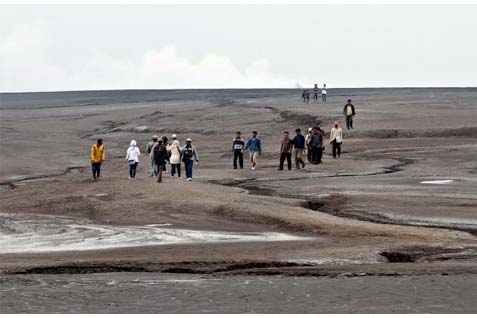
[188,139]
[174,136]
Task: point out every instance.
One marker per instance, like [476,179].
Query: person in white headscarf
[132,157]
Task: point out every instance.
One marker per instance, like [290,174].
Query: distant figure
[308,144]
[175,156]
[349,112]
[149,149]
[315,93]
[98,156]
[255,147]
[307,95]
[189,154]
[336,138]
[285,151]
[303,96]
[160,156]
[323,93]
[316,146]
[298,148]
[237,148]
[132,157]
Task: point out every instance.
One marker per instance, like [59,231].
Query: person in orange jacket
[98,155]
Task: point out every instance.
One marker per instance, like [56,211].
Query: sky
[92,47]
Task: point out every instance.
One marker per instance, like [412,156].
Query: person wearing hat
[98,156]
[349,112]
[336,138]
[189,155]
[160,157]
[149,149]
[175,156]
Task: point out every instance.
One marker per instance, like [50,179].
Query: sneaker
[253,168]
[189,179]
[280,168]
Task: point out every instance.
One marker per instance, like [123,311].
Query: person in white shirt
[336,138]
[323,93]
[307,144]
[175,150]
[132,157]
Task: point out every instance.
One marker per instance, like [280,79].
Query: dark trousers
[349,122]
[287,156]
[132,170]
[189,166]
[238,154]
[323,97]
[316,154]
[336,148]
[96,166]
[308,154]
[160,168]
[174,167]
[315,97]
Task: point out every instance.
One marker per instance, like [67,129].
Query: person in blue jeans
[255,147]
[189,155]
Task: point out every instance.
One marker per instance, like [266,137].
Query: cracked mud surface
[368,213]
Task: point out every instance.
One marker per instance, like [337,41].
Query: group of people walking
[161,152]
[316,92]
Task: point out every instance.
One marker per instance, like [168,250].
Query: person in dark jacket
[298,148]
[160,157]
[237,148]
[317,139]
[189,155]
[286,151]
[349,112]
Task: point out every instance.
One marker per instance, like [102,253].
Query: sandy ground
[368,213]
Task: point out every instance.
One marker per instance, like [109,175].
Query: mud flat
[398,208]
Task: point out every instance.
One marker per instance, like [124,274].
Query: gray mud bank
[173,293]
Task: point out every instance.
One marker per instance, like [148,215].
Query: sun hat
[174,136]
[188,139]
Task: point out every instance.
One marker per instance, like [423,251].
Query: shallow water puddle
[36,234]
[437,182]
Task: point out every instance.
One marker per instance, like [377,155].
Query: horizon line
[231,88]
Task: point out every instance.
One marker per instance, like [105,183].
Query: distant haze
[52,48]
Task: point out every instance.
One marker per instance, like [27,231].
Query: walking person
[160,157]
[316,146]
[298,148]
[315,93]
[149,149]
[189,155]
[308,144]
[286,151]
[323,93]
[132,157]
[303,96]
[307,95]
[254,145]
[237,148]
[349,112]
[175,156]
[98,156]
[336,138]
[165,143]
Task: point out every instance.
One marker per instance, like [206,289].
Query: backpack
[188,153]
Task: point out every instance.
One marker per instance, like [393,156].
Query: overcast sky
[50,48]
